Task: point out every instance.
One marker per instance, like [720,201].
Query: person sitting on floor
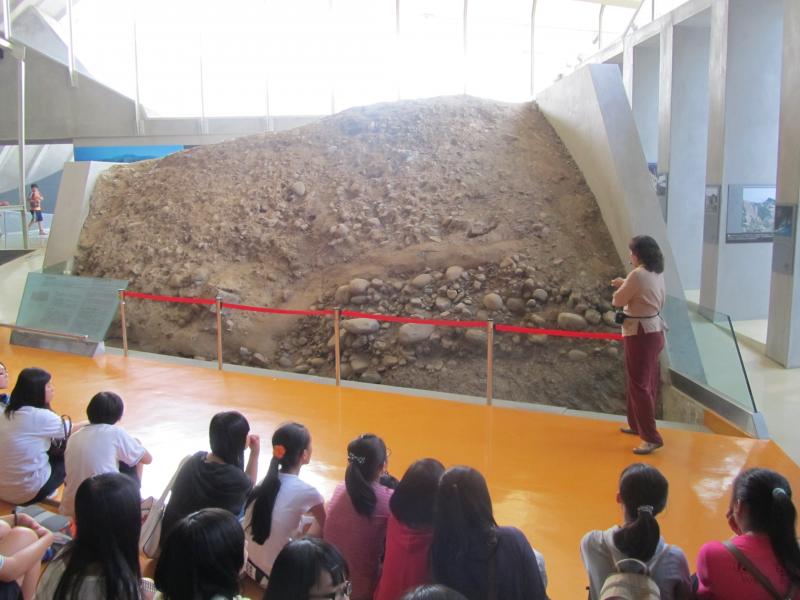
[217,479]
[474,556]
[101,447]
[23,543]
[410,530]
[202,558]
[762,561]
[29,471]
[102,561]
[276,506]
[642,495]
[358,513]
[306,569]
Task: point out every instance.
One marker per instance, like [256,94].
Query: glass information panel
[78,305]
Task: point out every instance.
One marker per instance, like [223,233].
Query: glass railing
[702,346]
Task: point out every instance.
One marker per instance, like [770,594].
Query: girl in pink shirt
[358,512]
[763,517]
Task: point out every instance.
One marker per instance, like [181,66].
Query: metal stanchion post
[337,350]
[489,361]
[219,332]
[124,325]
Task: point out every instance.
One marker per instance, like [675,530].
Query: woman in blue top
[471,554]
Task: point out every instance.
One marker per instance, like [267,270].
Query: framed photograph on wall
[751,213]
[711,216]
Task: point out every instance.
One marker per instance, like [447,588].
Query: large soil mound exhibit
[449,208]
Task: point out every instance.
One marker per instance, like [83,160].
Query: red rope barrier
[394,319]
[278,311]
[560,332]
[158,298]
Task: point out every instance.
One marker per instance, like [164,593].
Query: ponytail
[288,443]
[643,492]
[771,511]
[366,455]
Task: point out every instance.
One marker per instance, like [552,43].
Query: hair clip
[279,451]
[645,508]
[352,458]
[779,491]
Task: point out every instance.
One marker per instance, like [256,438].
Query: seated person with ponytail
[764,553]
[358,513]
[276,506]
[643,495]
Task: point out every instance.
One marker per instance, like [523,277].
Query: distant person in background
[642,294]
[101,447]
[3,383]
[35,206]
[409,533]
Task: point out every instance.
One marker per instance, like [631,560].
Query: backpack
[625,585]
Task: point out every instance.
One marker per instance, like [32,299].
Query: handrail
[69,336]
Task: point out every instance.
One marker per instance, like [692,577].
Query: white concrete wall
[783,334]
[742,145]
[72,208]
[687,151]
[645,97]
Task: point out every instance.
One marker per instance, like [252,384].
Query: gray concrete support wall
[72,208]
[688,137]
[590,112]
[645,97]
[783,334]
[742,144]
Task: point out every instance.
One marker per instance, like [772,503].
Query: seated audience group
[430,536]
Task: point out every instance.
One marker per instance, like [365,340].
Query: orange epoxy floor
[551,475]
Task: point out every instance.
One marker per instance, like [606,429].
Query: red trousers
[641,360]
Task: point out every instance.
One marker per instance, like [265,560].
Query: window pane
[364,52]
[431,48]
[298,56]
[499,49]
[168,39]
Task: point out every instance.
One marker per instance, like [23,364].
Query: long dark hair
[463,520]
[29,390]
[413,500]
[288,444]
[643,491]
[108,521]
[366,456]
[227,434]
[648,252]
[202,557]
[299,566]
[768,498]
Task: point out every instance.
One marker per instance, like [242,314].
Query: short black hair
[413,500]
[299,567]
[105,407]
[34,185]
[433,592]
[201,556]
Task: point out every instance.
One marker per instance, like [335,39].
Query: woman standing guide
[641,295]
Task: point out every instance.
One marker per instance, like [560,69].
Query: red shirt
[406,562]
[360,539]
[721,577]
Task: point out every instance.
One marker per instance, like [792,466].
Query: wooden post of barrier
[122,319]
[489,361]
[219,332]
[337,311]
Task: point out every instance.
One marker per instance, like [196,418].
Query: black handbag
[59,446]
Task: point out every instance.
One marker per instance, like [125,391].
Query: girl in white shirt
[276,506]
[28,474]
